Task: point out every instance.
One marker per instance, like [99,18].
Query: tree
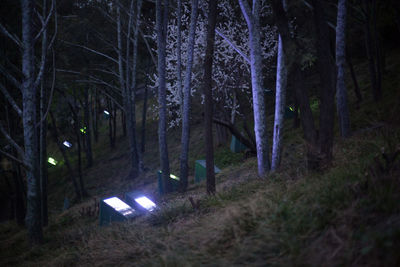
[341,92]
[280,98]
[161,26]
[186,100]
[207,88]
[252,17]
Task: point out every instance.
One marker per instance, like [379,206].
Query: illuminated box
[174,183]
[106,114]
[114,209]
[140,202]
[200,171]
[236,145]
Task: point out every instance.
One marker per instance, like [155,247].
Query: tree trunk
[354,78]
[43,155]
[260,122]
[144,116]
[161,26]
[184,171]
[207,88]
[341,91]
[110,124]
[280,100]
[20,197]
[94,117]
[33,215]
[327,86]
[88,134]
[179,55]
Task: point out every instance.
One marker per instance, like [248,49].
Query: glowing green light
[83,130]
[52,161]
[291,109]
[174,177]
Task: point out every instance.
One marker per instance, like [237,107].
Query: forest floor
[348,214]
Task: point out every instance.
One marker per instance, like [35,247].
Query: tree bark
[184,170]
[144,115]
[354,78]
[341,90]
[260,122]
[161,27]
[33,215]
[207,88]
[327,86]
[280,100]
[88,135]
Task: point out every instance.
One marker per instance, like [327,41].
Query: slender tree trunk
[184,171]
[161,26]
[207,88]
[260,122]
[20,210]
[144,116]
[43,156]
[110,125]
[88,134]
[280,99]
[94,117]
[341,91]
[114,118]
[354,78]
[33,215]
[327,86]
[71,175]
[179,55]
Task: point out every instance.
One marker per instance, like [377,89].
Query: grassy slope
[344,216]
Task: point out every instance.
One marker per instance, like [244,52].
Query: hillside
[347,215]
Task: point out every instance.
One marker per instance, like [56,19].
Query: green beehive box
[236,145]
[114,210]
[174,182]
[200,172]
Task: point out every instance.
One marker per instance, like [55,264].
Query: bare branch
[14,158]
[233,45]
[11,100]
[44,22]
[10,77]
[148,47]
[51,91]
[93,51]
[20,151]
[13,37]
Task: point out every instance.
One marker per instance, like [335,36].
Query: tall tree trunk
[110,124]
[280,99]
[184,171]
[20,209]
[33,215]
[71,175]
[327,86]
[354,78]
[144,116]
[94,109]
[88,134]
[341,91]
[179,55]
[43,155]
[260,122]
[207,88]
[161,26]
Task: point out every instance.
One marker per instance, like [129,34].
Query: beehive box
[200,172]
[236,145]
[174,182]
[114,210]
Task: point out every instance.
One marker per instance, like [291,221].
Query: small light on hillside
[146,203]
[106,112]
[83,130]
[67,144]
[52,161]
[119,206]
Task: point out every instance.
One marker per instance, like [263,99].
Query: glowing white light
[119,206]
[146,203]
[67,144]
[106,112]
[52,161]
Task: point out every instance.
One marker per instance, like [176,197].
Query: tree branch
[14,159]
[13,37]
[93,51]
[11,100]
[233,45]
[13,143]
[11,78]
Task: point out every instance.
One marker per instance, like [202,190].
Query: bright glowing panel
[173,177]
[106,112]
[146,203]
[52,161]
[67,144]
[119,206]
